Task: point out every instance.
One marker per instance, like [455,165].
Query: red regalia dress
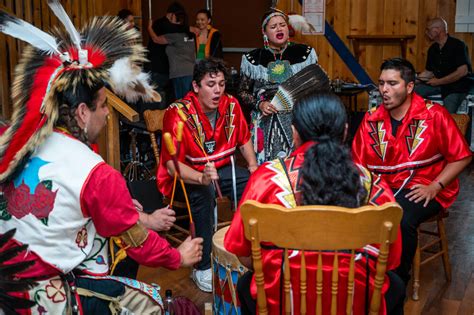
[269,184]
[426,141]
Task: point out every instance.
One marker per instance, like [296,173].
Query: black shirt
[443,61]
[395,124]
[156,52]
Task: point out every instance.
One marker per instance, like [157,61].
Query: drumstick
[199,142]
[179,136]
[172,151]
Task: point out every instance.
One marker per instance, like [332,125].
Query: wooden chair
[320,228]
[437,237]
[154,125]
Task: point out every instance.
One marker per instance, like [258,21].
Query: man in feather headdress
[61,197]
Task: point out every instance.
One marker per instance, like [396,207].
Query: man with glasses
[447,67]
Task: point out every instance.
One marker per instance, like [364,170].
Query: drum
[227,270]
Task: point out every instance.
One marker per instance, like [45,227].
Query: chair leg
[416,271]
[444,248]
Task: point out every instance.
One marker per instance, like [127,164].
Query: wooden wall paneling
[90,8]
[409,25]
[428,10]
[67,5]
[375,24]
[325,50]
[11,46]
[391,26]
[84,12]
[37,14]
[4,83]
[76,16]
[19,12]
[28,8]
[46,23]
[341,26]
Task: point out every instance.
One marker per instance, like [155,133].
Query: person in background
[322,173]
[181,52]
[262,71]
[208,39]
[447,67]
[159,64]
[416,146]
[127,16]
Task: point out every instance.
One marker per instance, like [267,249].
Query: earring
[265,40]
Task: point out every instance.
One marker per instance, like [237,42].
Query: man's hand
[421,192]
[209,174]
[252,168]
[137,205]
[160,220]
[191,251]
[434,82]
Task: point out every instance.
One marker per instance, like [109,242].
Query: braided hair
[69,99]
[329,177]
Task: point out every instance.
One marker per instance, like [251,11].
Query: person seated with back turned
[418,149]
[322,173]
[447,67]
[214,128]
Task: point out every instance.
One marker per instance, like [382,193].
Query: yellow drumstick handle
[179,131]
[169,143]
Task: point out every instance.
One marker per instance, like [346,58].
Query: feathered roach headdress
[105,50]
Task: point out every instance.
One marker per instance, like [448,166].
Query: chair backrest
[320,228]
[462,121]
[154,124]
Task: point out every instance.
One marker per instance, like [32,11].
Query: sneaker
[203,279]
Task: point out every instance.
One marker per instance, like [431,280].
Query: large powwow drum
[227,270]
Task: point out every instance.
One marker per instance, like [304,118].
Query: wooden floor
[436,296]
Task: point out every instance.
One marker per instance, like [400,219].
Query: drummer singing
[214,127]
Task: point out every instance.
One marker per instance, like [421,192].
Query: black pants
[394,297]
[203,201]
[413,215]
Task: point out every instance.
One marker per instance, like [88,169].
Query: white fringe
[259,72]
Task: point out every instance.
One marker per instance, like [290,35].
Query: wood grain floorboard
[437,297]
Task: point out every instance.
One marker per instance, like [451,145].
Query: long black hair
[329,177]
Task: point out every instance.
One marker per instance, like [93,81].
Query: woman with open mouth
[262,71]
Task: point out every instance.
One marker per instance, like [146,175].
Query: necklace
[278,70]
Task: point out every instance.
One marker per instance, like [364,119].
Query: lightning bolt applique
[286,196]
[230,116]
[199,129]
[377,191]
[416,128]
[378,135]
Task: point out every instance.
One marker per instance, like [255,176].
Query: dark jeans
[203,201]
[450,101]
[413,215]
[182,85]
[394,297]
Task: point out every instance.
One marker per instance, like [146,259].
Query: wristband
[440,183]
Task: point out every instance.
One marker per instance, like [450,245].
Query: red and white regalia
[65,215]
[426,141]
[269,184]
[230,132]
